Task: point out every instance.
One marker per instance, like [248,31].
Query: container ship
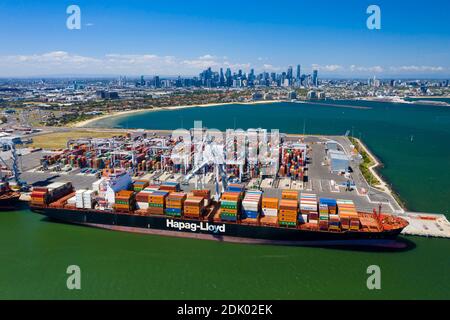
[240,215]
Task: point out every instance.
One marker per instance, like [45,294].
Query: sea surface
[411,140]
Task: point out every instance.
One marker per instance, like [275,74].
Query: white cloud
[113,63]
[327,68]
[269,67]
[361,69]
[62,62]
[418,69]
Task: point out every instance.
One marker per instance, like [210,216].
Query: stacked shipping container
[230,206]
[194,207]
[251,205]
[142,199]
[287,215]
[205,194]
[157,202]
[170,186]
[348,215]
[140,185]
[270,207]
[174,204]
[124,201]
[308,206]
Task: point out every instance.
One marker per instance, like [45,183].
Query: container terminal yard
[319,167]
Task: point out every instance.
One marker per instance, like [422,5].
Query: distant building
[157,82]
[321,95]
[268,96]
[292,95]
[331,145]
[315,78]
[107,95]
[299,75]
[312,95]
[257,96]
[339,161]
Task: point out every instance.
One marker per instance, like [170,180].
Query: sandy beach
[86,123]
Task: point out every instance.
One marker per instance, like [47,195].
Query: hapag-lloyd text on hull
[194,227]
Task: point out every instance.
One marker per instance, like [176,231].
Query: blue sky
[182,37]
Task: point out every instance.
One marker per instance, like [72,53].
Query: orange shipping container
[270,203]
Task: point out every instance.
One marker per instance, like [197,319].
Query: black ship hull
[220,231]
[9,201]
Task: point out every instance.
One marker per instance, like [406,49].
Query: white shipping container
[142,205]
[270,212]
[79,198]
[96,185]
[72,200]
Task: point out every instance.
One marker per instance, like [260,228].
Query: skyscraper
[290,74]
[157,82]
[299,75]
[221,78]
[229,78]
[315,78]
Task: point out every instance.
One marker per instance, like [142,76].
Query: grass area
[365,164]
[58,140]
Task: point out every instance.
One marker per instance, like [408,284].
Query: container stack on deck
[205,194]
[170,186]
[174,204]
[39,196]
[323,216]
[289,194]
[270,207]
[88,199]
[157,202]
[308,207]
[124,201]
[328,220]
[62,202]
[230,206]
[142,199]
[51,193]
[288,212]
[251,205]
[194,207]
[140,185]
[348,215]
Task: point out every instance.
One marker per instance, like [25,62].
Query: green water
[35,253]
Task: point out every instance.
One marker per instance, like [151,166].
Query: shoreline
[382,185]
[85,123]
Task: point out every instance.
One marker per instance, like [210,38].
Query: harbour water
[36,252]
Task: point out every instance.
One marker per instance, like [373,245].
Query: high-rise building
[229,77]
[157,82]
[142,83]
[221,78]
[315,78]
[289,75]
[299,74]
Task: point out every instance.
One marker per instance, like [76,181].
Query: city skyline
[152,38]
